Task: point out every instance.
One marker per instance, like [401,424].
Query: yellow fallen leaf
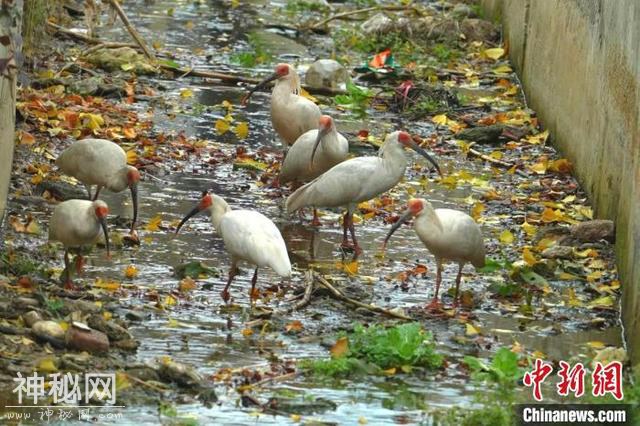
[47,365]
[222,126]
[539,138]
[529,229]
[91,121]
[132,157]
[561,166]
[108,285]
[350,268]
[246,332]
[596,344]
[26,138]
[529,257]
[340,348]
[540,167]
[131,271]
[503,69]
[169,300]
[154,224]
[295,418]
[390,372]
[476,211]
[602,302]
[107,315]
[440,119]
[494,53]
[241,130]
[122,381]
[186,93]
[506,237]
[471,330]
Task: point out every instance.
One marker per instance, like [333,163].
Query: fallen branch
[266,381]
[340,296]
[143,383]
[132,30]
[356,12]
[108,45]
[492,160]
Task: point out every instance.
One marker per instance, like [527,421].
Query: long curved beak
[103,223]
[405,217]
[424,153]
[316,144]
[134,200]
[262,84]
[189,215]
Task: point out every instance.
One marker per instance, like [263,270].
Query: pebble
[328,74]
[47,329]
[31,317]
[377,24]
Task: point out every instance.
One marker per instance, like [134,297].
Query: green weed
[376,348]
[257,54]
[356,100]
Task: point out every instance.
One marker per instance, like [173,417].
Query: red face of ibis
[405,138]
[133,176]
[205,202]
[415,206]
[102,212]
[282,70]
[325,122]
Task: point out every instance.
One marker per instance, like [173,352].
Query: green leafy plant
[376,348]
[296,6]
[356,100]
[257,54]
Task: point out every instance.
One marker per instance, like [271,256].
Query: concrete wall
[579,62]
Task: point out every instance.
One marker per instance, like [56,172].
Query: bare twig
[143,383]
[356,12]
[132,31]
[108,45]
[492,160]
[338,295]
[267,381]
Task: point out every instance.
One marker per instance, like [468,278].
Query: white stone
[327,73]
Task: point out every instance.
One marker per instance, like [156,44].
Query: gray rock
[482,134]
[31,317]
[182,374]
[462,10]
[377,24]
[327,73]
[558,252]
[113,330]
[78,305]
[143,373]
[592,231]
[46,329]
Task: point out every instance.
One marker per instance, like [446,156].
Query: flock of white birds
[317,160]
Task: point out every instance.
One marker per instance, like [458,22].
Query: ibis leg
[79,264]
[95,197]
[345,226]
[352,230]
[88,187]
[252,293]
[456,295]
[68,283]
[232,273]
[316,220]
[435,303]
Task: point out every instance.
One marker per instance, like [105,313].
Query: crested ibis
[448,234]
[315,152]
[356,180]
[248,236]
[103,163]
[291,114]
[77,223]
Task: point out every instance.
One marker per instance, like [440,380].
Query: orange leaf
[294,326]
[340,348]
[27,138]
[187,284]
[380,59]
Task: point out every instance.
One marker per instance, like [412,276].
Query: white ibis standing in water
[291,114]
[315,152]
[77,223]
[248,236]
[103,163]
[448,234]
[356,180]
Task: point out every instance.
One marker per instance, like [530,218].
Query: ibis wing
[252,237]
